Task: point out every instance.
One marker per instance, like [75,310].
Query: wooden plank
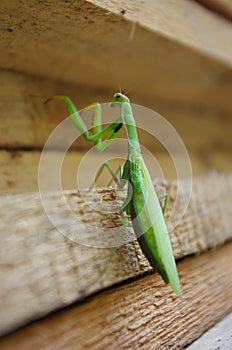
[143,314]
[177,56]
[223,7]
[47,265]
[25,129]
[27,123]
[19,169]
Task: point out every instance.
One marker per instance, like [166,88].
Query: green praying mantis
[141,204]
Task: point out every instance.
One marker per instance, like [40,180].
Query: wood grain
[222,7]
[175,55]
[143,314]
[26,124]
[19,169]
[179,53]
[47,265]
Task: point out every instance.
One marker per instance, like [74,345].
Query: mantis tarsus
[141,203]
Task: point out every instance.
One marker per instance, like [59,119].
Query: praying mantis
[142,203]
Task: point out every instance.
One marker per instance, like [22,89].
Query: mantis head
[118,99]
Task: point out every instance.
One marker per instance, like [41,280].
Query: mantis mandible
[141,203]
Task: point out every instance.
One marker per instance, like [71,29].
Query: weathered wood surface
[177,56]
[143,314]
[222,7]
[218,337]
[19,169]
[42,270]
[26,124]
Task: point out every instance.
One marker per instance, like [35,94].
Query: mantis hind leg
[124,208]
[121,182]
[165,198]
[113,173]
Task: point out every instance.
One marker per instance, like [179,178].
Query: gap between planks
[143,314]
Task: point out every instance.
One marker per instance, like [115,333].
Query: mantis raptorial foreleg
[110,132]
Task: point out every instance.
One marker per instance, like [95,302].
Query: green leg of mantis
[119,171]
[121,184]
[113,174]
[119,181]
[165,198]
[110,132]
